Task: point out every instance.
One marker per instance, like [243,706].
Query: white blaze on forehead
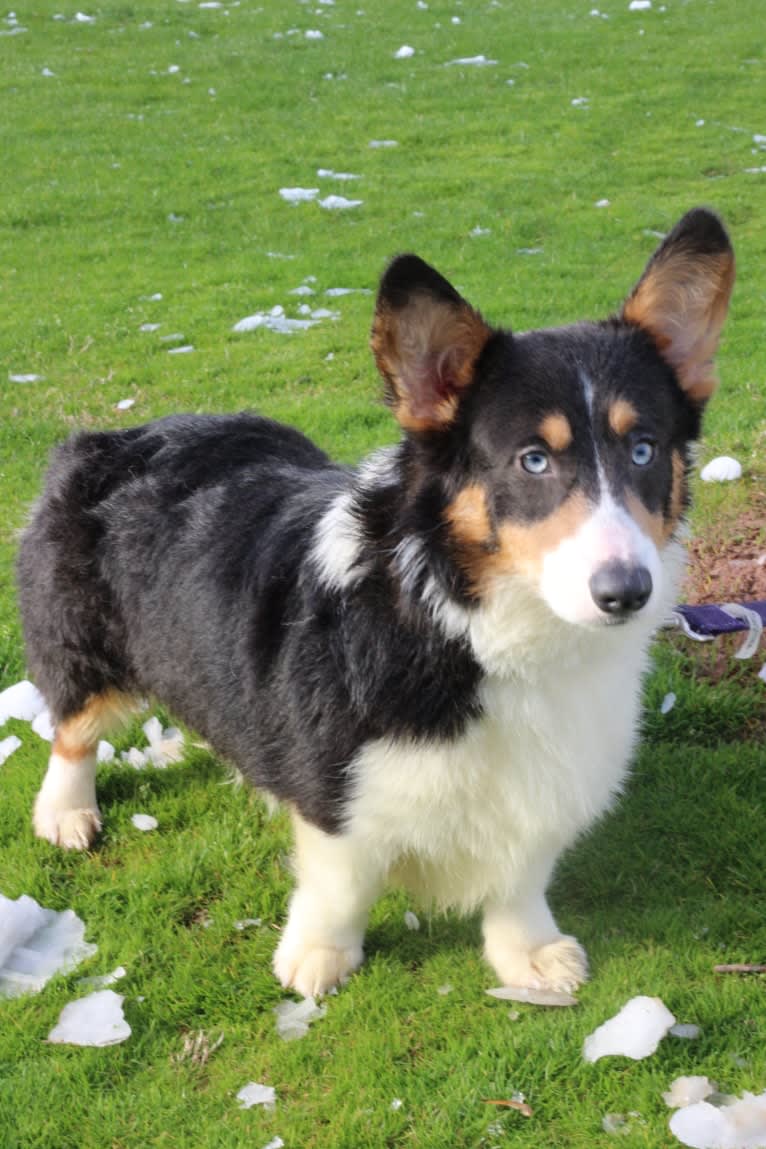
[609,535]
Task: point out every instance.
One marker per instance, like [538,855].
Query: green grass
[96,159]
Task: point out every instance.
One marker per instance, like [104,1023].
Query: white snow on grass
[668,703]
[187,347]
[26,378]
[411,920]
[295,1017]
[687,1090]
[634,1032]
[479,231]
[274,320]
[314,34]
[8,746]
[277,1142]
[551,997]
[93,1020]
[580,101]
[101,981]
[144,822]
[336,292]
[165,746]
[338,203]
[404,53]
[246,923]
[471,62]
[43,727]
[22,701]
[84,18]
[298,195]
[329,174]
[722,469]
[256,1094]
[685,1031]
[639,5]
[105,752]
[741,1125]
[602,203]
[124,404]
[150,327]
[304,289]
[383,144]
[36,943]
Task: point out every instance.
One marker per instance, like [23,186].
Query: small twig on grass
[740,967]
[521,1106]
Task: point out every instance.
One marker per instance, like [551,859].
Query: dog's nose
[620,589]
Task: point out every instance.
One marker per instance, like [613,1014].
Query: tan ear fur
[683,297]
[426,352]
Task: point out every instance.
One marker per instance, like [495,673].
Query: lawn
[143,153]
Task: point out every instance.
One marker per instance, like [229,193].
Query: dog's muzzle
[620,589]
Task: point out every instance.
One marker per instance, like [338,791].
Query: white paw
[314,969]
[72,829]
[560,965]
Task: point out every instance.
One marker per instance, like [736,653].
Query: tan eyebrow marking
[556,430]
[623,416]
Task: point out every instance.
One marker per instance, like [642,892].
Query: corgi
[433,659]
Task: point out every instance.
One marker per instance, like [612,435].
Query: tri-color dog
[433,659]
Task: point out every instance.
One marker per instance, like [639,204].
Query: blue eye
[643,452]
[535,462]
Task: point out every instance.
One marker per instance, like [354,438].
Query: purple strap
[711,620]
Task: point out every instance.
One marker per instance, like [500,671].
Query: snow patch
[22,701]
[256,1094]
[8,746]
[404,52]
[298,195]
[668,703]
[687,1091]
[741,1125]
[532,996]
[471,62]
[634,1032]
[338,203]
[722,469]
[93,1020]
[124,404]
[36,943]
[26,378]
[411,920]
[294,1018]
[144,822]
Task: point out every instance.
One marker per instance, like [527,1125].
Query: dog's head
[557,457]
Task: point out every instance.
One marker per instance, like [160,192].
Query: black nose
[620,589]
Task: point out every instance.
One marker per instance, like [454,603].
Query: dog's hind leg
[66,811]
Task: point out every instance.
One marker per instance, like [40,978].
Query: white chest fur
[471,820]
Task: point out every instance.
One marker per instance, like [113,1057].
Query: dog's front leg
[525,947]
[337,882]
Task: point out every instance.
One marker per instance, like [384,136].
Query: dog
[434,659]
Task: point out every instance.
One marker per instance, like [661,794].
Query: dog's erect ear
[426,340]
[682,299]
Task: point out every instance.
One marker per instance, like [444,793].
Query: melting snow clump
[741,1125]
[404,52]
[411,920]
[36,943]
[23,701]
[634,1032]
[255,1094]
[295,1017]
[93,1020]
[298,195]
[532,996]
[144,822]
[722,469]
[338,202]
[687,1090]
[8,746]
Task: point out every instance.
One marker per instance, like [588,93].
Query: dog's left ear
[683,296]
[426,340]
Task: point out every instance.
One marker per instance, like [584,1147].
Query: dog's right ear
[426,339]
